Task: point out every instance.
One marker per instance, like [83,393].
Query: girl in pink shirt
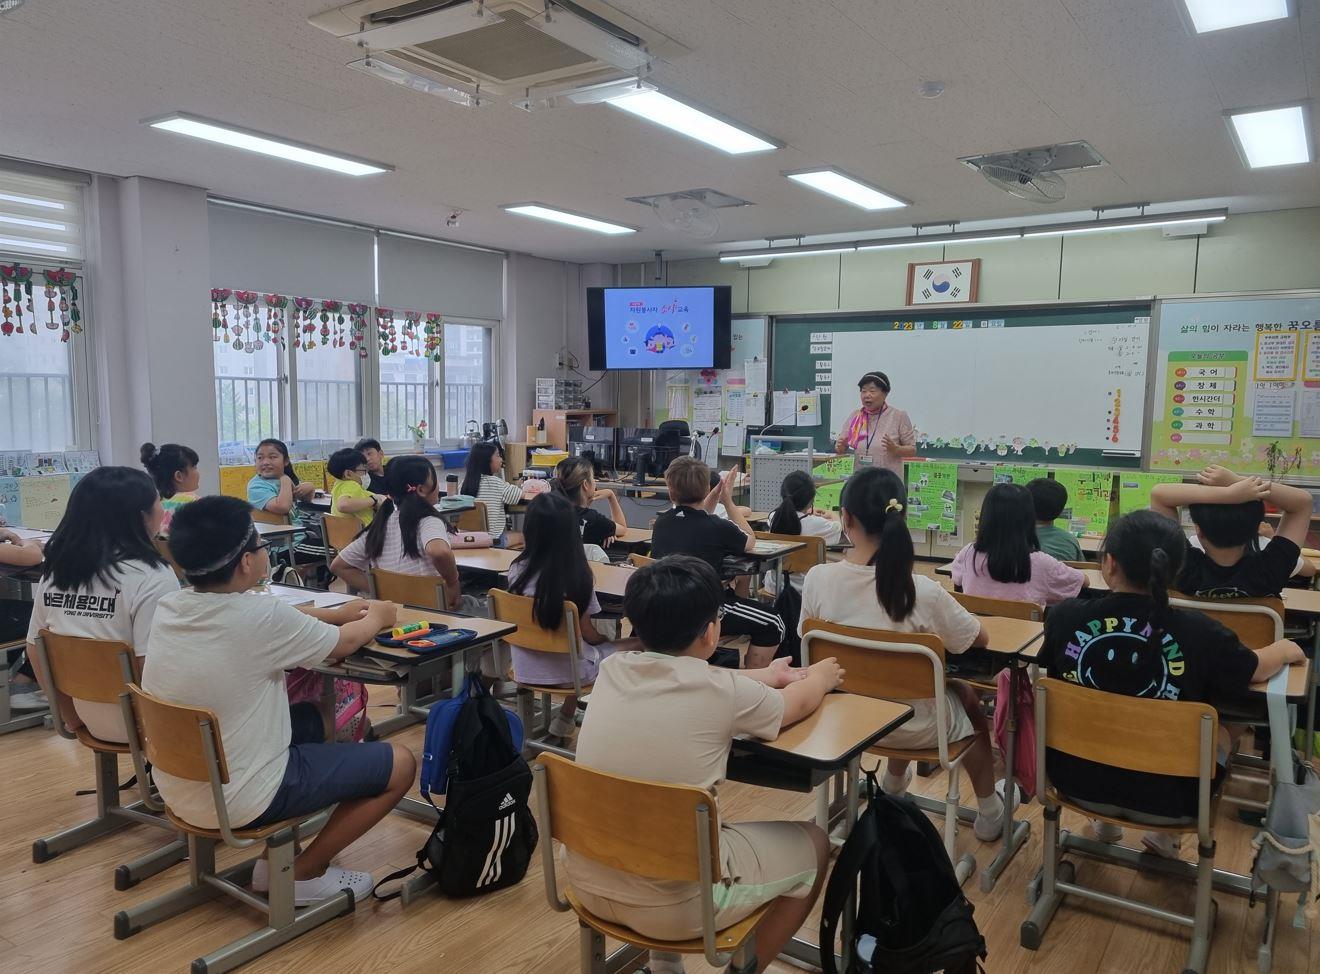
[1005,561]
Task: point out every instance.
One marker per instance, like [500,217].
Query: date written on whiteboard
[824,390]
[824,376]
[824,365]
[822,336]
[821,349]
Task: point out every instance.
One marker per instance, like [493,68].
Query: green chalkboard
[986,385]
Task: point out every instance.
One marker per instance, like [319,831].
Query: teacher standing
[880,434]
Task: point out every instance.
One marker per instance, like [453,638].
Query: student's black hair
[715,476]
[210,536]
[164,461]
[406,478]
[104,524]
[478,465]
[284,450]
[798,491]
[1048,497]
[1150,550]
[553,560]
[1006,534]
[1226,525]
[671,601]
[878,379]
[570,476]
[874,497]
[342,461]
[368,443]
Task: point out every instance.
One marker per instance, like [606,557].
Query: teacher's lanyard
[871,437]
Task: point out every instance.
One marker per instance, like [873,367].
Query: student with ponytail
[874,588]
[407,534]
[1134,643]
[575,479]
[796,515]
[173,468]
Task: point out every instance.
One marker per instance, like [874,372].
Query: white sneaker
[260,877]
[309,891]
[988,828]
[1106,832]
[563,730]
[33,699]
[1022,796]
[665,963]
[1163,844]
[896,787]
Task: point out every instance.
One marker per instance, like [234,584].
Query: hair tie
[412,489]
[893,505]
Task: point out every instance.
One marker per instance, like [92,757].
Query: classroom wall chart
[1237,382]
[932,501]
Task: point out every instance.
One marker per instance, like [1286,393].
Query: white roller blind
[40,218]
[265,252]
[418,275]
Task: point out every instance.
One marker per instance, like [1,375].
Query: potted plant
[418,436]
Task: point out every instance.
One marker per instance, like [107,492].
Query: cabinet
[557,422]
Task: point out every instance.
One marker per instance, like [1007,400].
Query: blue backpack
[438,757]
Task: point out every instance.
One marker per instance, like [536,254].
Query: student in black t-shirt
[1227,511]
[375,457]
[689,528]
[575,479]
[1132,642]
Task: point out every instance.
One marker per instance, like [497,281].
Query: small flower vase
[419,443]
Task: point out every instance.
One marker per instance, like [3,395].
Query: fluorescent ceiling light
[388,71]
[32,201]
[543,212]
[1271,136]
[1208,15]
[807,250]
[267,145]
[845,187]
[943,238]
[52,248]
[582,35]
[38,224]
[422,28]
[1134,223]
[660,109]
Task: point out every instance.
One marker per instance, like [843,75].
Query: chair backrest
[1257,622]
[427,591]
[585,808]
[96,670]
[163,548]
[339,530]
[473,520]
[517,609]
[640,561]
[171,736]
[982,605]
[803,560]
[266,517]
[1136,733]
[905,671]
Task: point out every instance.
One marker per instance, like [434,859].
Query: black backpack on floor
[910,902]
[486,833]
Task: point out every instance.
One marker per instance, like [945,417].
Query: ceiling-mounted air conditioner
[503,46]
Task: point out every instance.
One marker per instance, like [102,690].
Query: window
[328,402]
[41,401]
[247,393]
[468,356]
[407,374]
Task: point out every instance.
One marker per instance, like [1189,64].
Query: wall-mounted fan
[1026,175]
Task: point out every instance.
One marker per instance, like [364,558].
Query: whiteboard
[1048,386]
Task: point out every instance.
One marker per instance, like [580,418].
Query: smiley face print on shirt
[1123,654]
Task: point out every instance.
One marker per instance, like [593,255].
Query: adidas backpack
[486,834]
[912,916]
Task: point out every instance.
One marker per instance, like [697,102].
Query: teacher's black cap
[879,378]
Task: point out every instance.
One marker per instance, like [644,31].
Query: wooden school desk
[809,753]
[610,579]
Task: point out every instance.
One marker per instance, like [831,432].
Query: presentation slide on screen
[659,328]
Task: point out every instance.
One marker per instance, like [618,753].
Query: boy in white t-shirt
[224,647]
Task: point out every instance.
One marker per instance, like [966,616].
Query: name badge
[865,460]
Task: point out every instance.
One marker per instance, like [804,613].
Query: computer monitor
[599,442]
[648,452]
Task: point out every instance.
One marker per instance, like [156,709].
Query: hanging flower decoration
[60,284]
[332,311]
[357,325]
[386,332]
[412,333]
[434,332]
[275,305]
[305,322]
[17,280]
[246,337]
[220,312]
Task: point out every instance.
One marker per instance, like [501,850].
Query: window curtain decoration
[418,335]
[386,331]
[435,330]
[357,329]
[248,320]
[60,287]
[275,318]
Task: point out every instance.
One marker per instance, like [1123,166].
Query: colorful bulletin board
[1090,500]
[1235,377]
[932,490]
[829,496]
[835,468]
[1011,473]
[1134,489]
[234,480]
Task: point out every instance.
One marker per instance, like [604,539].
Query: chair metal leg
[1047,902]
[129,874]
[1203,919]
[963,868]
[744,959]
[525,702]
[107,798]
[201,861]
[591,951]
[268,938]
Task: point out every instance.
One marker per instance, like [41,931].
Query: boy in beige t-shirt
[667,715]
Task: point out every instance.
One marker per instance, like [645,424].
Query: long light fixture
[661,109]
[542,212]
[978,236]
[1211,15]
[389,71]
[223,133]
[1268,137]
[582,35]
[850,189]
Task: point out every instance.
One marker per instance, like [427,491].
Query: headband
[879,378]
[233,555]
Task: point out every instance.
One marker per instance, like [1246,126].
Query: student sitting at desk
[1132,642]
[483,478]
[1227,511]
[797,516]
[275,489]
[666,715]
[102,579]
[552,569]
[349,497]
[574,478]
[1049,498]
[375,457]
[223,647]
[689,528]
[874,588]
[15,614]
[174,469]
[407,535]
[1005,560]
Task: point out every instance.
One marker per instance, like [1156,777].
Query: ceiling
[835,80]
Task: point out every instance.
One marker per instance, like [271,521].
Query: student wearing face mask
[350,496]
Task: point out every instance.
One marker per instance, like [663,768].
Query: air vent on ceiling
[1035,174]
[711,197]
[505,46]
[1061,158]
